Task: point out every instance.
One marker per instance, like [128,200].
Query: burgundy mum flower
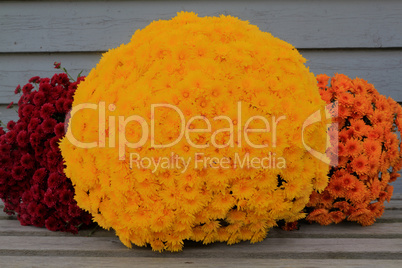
[57,65]
[59,130]
[72,229]
[27,110]
[53,158]
[35,139]
[70,92]
[66,196]
[24,218]
[30,98]
[38,154]
[48,125]
[57,92]
[31,207]
[39,175]
[11,136]
[27,161]
[74,210]
[49,198]
[39,98]
[30,160]
[54,143]
[45,87]
[35,79]
[41,211]
[63,79]
[53,80]
[20,126]
[3,174]
[53,181]
[18,173]
[27,197]
[47,110]
[27,88]
[33,124]
[17,89]
[10,125]
[36,192]
[67,105]
[60,105]
[22,138]
[5,149]
[45,80]
[52,223]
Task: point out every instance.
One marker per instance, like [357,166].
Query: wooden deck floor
[342,245]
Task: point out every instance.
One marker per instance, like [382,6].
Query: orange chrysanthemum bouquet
[194,83]
[369,153]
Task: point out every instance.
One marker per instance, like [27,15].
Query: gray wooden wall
[357,38]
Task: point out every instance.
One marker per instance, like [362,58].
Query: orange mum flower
[382,104]
[343,111]
[368,150]
[322,80]
[342,150]
[377,209]
[337,216]
[357,193]
[335,188]
[360,128]
[360,105]
[375,188]
[372,147]
[348,181]
[326,95]
[394,176]
[343,136]
[342,206]
[346,99]
[320,215]
[359,86]
[353,147]
[360,164]
[314,199]
[389,190]
[376,133]
[326,199]
[373,165]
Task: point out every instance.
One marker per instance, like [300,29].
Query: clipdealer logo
[234,130]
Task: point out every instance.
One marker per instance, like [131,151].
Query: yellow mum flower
[195,130]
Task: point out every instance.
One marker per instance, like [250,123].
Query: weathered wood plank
[381,68]
[270,248]
[152,262]
[7,217]
[391,216]
[89,26]
[14,228]
[343,230]
[395,204]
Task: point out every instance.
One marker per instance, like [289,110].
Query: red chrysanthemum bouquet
[32,181]
[369,153]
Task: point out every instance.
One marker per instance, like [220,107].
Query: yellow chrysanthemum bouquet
[196,130]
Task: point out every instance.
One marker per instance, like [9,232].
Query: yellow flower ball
[195,130]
